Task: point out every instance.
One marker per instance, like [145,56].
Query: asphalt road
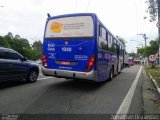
[51,95]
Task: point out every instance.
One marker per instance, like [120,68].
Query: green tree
[8,40]
[152,9]
[132,54]
[9,35]
[29,53]
[22,46]
[121,40]
[152,49]
[19,45]
[4,42]
[37,46]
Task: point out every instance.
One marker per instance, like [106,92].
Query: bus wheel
[111,75]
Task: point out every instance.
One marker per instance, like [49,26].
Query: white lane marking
[44,78]
[123,109]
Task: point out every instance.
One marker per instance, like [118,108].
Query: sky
[124,18]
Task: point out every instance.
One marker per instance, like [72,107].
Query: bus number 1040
[66,49]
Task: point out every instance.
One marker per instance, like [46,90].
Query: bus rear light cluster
[90,64]
[44,60]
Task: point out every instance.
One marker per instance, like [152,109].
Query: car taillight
[44,60]
[90,64]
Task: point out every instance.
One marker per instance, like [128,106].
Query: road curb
[155,83]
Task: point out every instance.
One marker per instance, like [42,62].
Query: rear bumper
[69,74]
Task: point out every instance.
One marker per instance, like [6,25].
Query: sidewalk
[151,99]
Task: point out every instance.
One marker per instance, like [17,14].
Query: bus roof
[74,14]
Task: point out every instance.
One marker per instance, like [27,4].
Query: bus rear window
[66,27]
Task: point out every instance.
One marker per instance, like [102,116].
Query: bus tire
[111,75]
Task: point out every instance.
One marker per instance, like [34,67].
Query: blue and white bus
[79,46]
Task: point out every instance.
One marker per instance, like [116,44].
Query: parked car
[131,61]
[15,66]
[126,61]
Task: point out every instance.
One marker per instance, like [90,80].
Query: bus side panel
[103,65]
[118,62]
[121,60]
[121,63]
[114,62]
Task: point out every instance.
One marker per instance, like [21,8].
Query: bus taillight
[90,64]
[44,60]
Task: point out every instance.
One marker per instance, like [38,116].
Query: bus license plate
[65,63]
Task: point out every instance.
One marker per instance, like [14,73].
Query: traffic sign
[158,24]
[152,58]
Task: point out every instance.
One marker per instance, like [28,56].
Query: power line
[145,38]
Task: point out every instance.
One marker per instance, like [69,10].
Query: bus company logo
[56,27]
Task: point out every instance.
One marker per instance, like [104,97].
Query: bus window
[100,31]
[102,38]
[118,46]
[121,50]
[69,27]
[109,41]
[114,46]
[103,33]
[111,44]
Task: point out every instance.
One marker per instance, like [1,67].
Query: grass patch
[154,72]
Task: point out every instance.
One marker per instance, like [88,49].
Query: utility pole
[158,2]
[145,38]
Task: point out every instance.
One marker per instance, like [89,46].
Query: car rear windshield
[70,27]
